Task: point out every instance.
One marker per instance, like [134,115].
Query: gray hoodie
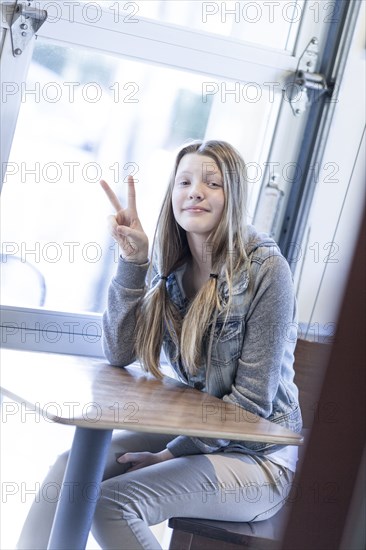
[247,358]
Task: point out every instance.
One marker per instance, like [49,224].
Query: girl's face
[198,194]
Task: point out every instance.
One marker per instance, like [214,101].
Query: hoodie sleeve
[186,445]
[119,319]
[124,293]
[269,339]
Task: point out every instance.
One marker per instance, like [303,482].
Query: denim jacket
[247,357]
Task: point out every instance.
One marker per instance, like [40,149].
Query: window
[84,117]
[265,23]
[112,88]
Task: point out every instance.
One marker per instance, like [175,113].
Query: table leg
[80,489]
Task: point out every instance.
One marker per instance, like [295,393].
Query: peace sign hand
[126,228]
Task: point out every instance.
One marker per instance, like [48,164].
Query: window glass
[269,23]
[86,115]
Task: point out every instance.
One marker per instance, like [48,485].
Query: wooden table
[97,398]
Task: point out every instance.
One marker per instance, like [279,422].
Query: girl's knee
[116,500]
[108,508]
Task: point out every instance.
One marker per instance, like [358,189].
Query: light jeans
[221,486]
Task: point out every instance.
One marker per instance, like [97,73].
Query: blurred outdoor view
[91,116]
[87,115]
[264,22]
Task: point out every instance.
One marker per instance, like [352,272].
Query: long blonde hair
[157,313]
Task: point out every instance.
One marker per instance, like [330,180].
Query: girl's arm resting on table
[119,319]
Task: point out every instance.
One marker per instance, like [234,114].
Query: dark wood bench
[200,534]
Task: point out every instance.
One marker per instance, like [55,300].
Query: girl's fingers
[111,195]
[112,222]
[127,457]
[131,194]
[122,459]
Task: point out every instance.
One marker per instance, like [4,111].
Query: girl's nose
[196,192]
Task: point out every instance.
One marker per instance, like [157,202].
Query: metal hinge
[25,23]
[306,86]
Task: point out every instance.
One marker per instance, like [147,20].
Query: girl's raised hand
[126,227]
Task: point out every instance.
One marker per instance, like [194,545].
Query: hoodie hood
[256,239]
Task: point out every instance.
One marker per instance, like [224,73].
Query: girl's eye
[183,183]
[214,184]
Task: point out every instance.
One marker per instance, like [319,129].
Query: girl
[218,298]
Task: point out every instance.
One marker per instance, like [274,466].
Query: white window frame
[165,44]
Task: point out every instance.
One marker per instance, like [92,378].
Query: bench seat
[202,534]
